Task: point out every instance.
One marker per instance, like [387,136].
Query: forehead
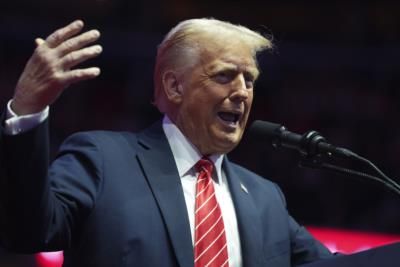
[233,56]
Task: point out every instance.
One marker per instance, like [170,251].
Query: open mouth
[229,117]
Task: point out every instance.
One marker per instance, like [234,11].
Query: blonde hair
[180,48]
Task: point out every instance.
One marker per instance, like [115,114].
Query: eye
[224,76]
[249,80]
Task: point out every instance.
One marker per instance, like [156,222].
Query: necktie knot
[205,165]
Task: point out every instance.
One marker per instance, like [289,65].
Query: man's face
[217,97]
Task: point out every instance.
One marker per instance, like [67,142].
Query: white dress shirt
[186,156]
[15,124]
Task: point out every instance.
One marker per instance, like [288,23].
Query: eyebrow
[221,66]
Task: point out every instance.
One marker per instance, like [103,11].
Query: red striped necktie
[210,247]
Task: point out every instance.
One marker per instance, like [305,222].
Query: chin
[227,145]
[223,141]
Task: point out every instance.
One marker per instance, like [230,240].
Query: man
[166,196]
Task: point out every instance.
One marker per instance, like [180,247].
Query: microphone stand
[318,164]
[311,157]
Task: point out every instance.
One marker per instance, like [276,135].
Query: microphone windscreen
[264,129]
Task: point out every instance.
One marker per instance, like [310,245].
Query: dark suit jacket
[115,199]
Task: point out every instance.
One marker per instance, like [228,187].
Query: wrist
[21,108]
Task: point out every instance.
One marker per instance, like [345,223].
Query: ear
[172,88]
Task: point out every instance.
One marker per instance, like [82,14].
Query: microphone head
[265,128]
[266,131]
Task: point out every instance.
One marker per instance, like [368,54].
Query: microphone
[312,145]
[309,144]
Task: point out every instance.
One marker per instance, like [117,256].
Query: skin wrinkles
[224,66]
[222,81]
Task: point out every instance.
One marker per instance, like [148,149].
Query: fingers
[60,35]
[77,75]
[48,71]
[78,42]
[39,41]
[79,56]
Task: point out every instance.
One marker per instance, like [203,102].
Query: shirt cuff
[15,124]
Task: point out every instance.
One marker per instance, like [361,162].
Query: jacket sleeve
[42,207]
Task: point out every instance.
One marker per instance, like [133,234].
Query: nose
[240,92]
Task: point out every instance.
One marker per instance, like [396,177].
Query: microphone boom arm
[313,150]
[393,186]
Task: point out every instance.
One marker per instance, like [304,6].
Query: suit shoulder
[101,134]
[101,139]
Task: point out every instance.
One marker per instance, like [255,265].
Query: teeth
[229,117]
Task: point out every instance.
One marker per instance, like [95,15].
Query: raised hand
[49,70]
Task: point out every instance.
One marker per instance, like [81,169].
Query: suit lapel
[248,219]
[160,170]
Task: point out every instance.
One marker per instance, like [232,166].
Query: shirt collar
[185,153]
